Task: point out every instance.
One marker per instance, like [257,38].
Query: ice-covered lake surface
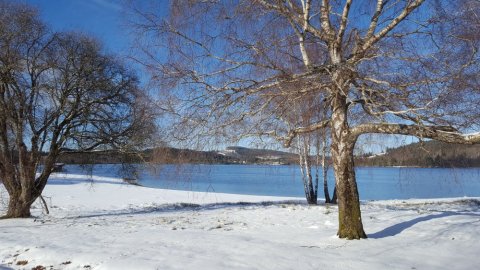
[375,183]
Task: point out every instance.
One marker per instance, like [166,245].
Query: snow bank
[103,223]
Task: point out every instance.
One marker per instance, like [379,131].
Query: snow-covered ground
[103,223]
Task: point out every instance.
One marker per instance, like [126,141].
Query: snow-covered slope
[103,223]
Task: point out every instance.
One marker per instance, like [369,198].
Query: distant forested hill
[426,154]
[169,155]
[166,155]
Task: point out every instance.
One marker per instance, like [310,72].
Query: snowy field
[102,223]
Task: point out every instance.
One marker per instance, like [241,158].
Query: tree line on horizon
[431,154]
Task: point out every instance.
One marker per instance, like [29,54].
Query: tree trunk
[23,186]
[349,216]
[334,197]
[19,207]
[312,196]
[310,191]
[324,167]
[325,191]
[22,194]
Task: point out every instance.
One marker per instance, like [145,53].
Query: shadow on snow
[188,207]
[402,226]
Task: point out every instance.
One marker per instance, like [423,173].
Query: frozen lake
[375,183]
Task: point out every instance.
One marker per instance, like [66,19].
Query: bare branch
[302,130]
[374,19]
[371,38]
[440,133]
[325,18]
[343,23]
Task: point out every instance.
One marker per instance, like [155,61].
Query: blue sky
[103,19]
[106,20]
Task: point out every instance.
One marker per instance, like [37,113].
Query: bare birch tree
[312,146]
[310,181]
[237,68]
[57,90]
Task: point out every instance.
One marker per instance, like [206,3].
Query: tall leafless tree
[57,91]
[390,67]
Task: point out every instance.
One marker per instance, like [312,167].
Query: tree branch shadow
[176,207]
[400,227]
